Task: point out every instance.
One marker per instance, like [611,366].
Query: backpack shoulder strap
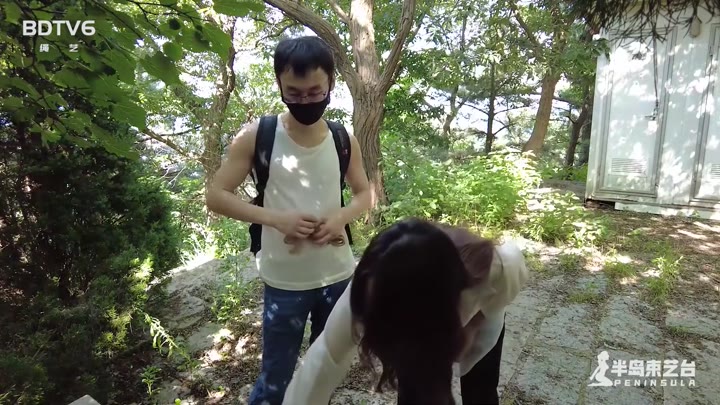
[264,141]
[342,145]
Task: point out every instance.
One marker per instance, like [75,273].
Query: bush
[83,234]
[557,217]
[485,190]
[494,192]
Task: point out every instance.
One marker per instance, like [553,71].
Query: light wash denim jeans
[284,317]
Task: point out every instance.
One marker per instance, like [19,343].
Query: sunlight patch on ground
[690,234]
[198,260]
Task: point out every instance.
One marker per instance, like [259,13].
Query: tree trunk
[576,129]
[368,83]
[490,134]
[584,153]
[542,119]
[211,157]
[368,113]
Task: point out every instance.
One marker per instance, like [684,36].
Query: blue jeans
[284,316]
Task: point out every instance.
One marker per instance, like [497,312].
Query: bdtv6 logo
[45,28]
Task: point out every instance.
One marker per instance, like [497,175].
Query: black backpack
[264,142]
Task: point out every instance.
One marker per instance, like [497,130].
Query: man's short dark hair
[302,55]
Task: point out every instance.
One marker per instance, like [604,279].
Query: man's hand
[329,228]
[296,225]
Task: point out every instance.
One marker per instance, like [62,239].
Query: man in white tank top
[303,264]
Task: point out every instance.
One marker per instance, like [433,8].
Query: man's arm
[358,182]
[220,196]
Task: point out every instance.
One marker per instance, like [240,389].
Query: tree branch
[324,30]
[538,48]
[187,131]
[172,145]
[505,126]
[342,15]
[406,23]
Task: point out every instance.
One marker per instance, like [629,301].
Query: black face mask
[309,113]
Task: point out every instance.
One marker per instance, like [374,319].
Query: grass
[617,270]
[679,332]
[666,275]
[639,241]
[533,263]
[584,297]
[571,263]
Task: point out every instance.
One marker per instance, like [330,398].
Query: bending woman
[425,301]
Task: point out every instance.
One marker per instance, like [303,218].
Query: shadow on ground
[577,305]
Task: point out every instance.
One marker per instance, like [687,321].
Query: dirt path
[575,307]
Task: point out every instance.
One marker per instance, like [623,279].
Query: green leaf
[43,15]
[161,67]
[21,84]
[114,145]
[78,141]
[54,101]
[168,3]
[194,40]
[12,12]
[127,39]
[68,77]
[173,51]
[237,8]
[129,112]
[221,42]
[77,121]
[93,60]
[122,21]
[50,54]
[124,66]
[49,136]
[107,86]
[12,103]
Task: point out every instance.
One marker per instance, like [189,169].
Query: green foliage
[486,190]
[555,172]
[668,272]
[35,84]
[233,302]
[230,236]
[571,263]
[617,269]
[84,233]
[150,375]
[556,217]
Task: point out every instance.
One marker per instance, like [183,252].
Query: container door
[707,175]
[634,121]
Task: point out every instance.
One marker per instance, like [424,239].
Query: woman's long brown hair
[405,298]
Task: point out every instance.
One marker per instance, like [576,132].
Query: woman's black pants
[479,385]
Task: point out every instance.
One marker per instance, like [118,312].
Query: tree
[580,65]
[552,18]
[367,79]
[103,71]
[634,16]
[475,63]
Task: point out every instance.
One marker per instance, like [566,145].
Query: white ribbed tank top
[305,180]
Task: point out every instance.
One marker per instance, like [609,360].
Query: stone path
[554,332]
[551,346]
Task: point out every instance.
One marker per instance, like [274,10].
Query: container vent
[715,171]
[628,166]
